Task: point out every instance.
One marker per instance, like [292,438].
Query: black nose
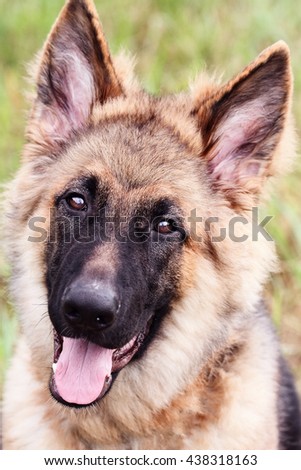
[90,305]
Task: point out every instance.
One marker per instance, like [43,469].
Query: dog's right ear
[75,73]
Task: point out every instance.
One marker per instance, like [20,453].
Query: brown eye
[165,227]
[76,202]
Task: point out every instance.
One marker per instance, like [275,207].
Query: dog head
[125,184]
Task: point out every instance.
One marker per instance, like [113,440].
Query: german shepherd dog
[141,313]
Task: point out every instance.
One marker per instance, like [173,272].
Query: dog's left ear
[75,73]
[243,122]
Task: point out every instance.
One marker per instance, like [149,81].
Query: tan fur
[208,378]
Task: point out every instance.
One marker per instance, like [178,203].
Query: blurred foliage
[173,40]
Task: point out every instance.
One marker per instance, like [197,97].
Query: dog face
[114,258]
[124,244]
[117,175]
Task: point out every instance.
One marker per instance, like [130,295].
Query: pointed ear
[75,73]
[242,123]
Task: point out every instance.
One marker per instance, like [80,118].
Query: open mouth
[83,372]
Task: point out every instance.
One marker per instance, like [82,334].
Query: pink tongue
[81,371]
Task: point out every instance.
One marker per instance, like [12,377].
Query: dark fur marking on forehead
[149,117]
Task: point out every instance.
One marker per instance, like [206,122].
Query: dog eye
[76,202]
[165,227]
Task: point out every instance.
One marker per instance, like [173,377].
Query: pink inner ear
[79,87]
[237,138]
[73,96]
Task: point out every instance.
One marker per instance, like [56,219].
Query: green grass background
[172,39]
